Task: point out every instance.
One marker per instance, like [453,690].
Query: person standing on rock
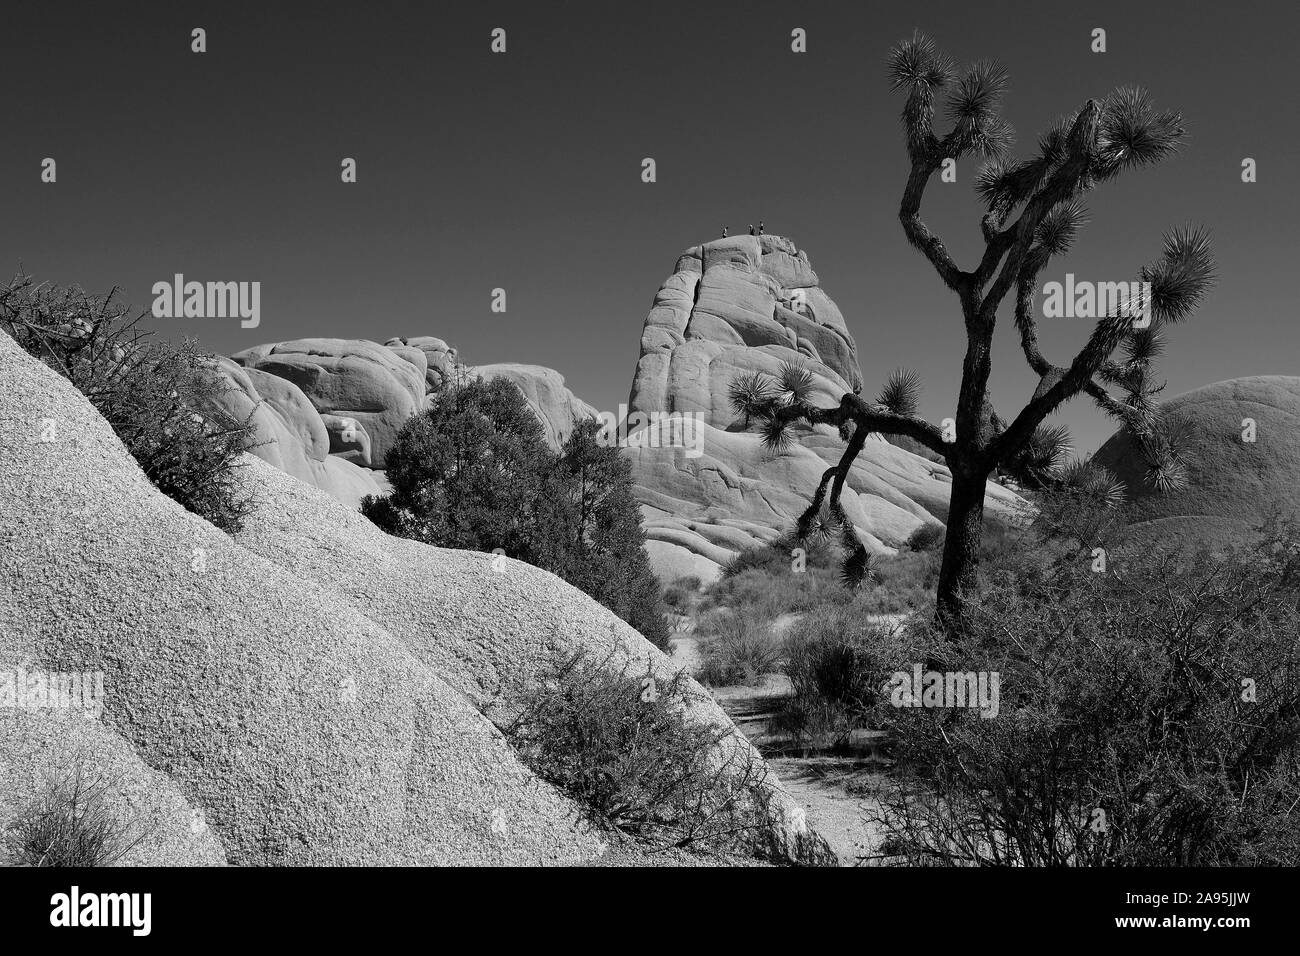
[760,227]
[751,229]
[724,232]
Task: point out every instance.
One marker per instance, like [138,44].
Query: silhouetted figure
[724,232]
[751,229]
[760,227]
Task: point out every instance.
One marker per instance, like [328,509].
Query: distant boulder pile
[327,411]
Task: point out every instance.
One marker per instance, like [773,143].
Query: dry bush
[158,397]
[742,648]
[1149,715]
[620,745]
[71,824]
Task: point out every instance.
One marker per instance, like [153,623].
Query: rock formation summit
[750,304]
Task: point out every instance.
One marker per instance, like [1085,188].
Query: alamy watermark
[1097,300]
[652,430]
[208,300]
[969,689]
[53,690]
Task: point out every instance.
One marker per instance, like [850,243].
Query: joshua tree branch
[867,418]
[918,234]
[1064,182]
[1105,338]
[1026,285]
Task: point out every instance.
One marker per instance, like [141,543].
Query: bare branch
[918,234]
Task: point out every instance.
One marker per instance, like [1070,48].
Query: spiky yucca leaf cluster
[1095,481]
[757,396]
[901,393]
[1041,457]
[796,381]
[752,394]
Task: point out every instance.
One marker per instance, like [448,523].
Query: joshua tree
[1034,211]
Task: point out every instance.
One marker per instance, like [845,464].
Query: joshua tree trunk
[960,547]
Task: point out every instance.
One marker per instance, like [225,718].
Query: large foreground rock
[315,690]
[485,624]
[44,751]
[302,730]
[1233,484]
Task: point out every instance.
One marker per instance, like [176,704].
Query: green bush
[1149,715]
[473,472]
[741,648]
[927,537]
[678,598]
[158,397]
[838,662]
[620,745]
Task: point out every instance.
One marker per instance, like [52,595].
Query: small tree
[1033,213]
[598,544]
[467,473]
[474,472]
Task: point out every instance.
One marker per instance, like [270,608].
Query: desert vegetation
[1150,716]
[473,471]
[1034,212]
[158,396]
[71,823]
[1149,706]
[621,745]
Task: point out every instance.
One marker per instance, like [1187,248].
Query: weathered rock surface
[700,512]
[44,750]
[333,407]
[484,625]
[740,305]
[380,387]
[314,688]
[348,440]
[291,435]
[304,731]
[440,358]
[1233,484]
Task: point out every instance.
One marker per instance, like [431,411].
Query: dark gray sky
[522,171]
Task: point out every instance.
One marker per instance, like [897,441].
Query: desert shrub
[1149,715]
[741,649]
[838,662]
[473,471]
[158,397]
[678,598]
[927,537]
[620,745]
[71,824]
[775,557]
